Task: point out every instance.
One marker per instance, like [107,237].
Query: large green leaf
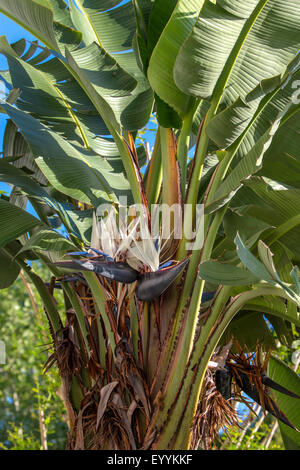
[228,52]
[56,99]
[17,222]
[282,374]
[109,79]
[265,269]
[226,274]
[46,99]
[14,176]
[131,104]
[249,329]
[59,102]
[135,109]
[280,208]
[9,269]
[16,150]
[282,161]
[111,28]
[47,240]
[34,15]
[81,223]
[71,170]
[230,123]
[159,17]
[248,166]
[49,22]
[288,126]
[249,228]
[160,71]
[273,306]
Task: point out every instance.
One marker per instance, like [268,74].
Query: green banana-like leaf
[284,152]
[226,274]
[249,329]
[110,31]
[230,123]
[160,70]
[47,240]
[130,99]
[61,14]
[264,270]
[134,110]
[131,105]
[17,222]
[159,17]
[9,269]
[34,15]
[230,49]
[287,94]
[226,72]
[111,28]
[16,151]
[59,102]
[279,208]
[109,118]
[282,374]
[252,162]
[69,169]
[12,175]
[47,100]
[24,176]
[101,69]
[50,23]
[249,228]
[274,306]
[80,223]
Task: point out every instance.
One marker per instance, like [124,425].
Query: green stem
[99,297]
[102,345]
[78,311]
[184,143]
[181,342]
[145,334]
[199,157]
[134,328]
[210,335]
[72,297]
[154,175]
[166,164]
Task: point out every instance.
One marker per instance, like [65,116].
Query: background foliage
[25,390]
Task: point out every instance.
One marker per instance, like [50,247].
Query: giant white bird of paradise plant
[159,331]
